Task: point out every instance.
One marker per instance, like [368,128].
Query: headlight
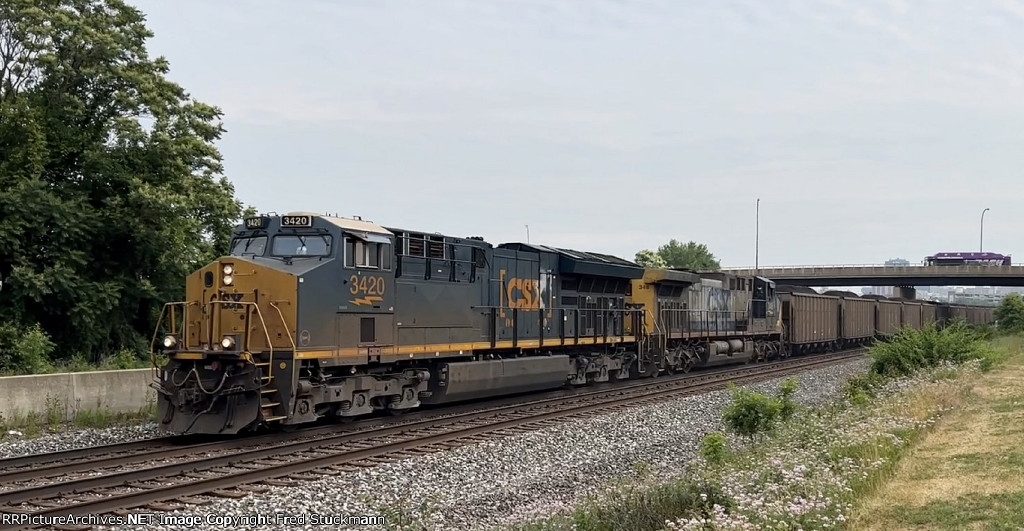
[227,280]
[170,341]
[228,270]
[228,343]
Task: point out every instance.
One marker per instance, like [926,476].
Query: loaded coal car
[943,313]
[956,312]
[929,313]
[811,320]
[980,315]
[856,318]
[912,316]
[888,316]
[316,316]
[705,319]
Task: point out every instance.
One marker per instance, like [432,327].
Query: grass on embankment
[51,420]
[812,471]
[969,471]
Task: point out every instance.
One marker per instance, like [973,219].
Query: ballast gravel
[506,481]
[15,445]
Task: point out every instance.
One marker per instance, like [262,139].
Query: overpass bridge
[904,277]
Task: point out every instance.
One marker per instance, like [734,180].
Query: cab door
[367,320]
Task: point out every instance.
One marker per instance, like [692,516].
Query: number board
[259,222]
[296,221]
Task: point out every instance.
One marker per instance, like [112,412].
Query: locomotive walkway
[880,275]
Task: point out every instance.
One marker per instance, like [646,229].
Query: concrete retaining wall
[124,391]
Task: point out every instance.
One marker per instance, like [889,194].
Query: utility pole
[757,235]
[527,234]
[981,239]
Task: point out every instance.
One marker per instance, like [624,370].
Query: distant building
[887,291]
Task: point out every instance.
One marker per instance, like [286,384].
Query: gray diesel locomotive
[314,316]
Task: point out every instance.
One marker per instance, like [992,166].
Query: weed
[714,448]
[54,412]
[639,507]
[753,413]
[787,405]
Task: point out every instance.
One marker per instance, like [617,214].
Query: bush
[787,405]
[911,349]
[860,389]
[642,507]
[124,359]
[714,448]
[752,413]
[25,350]
[1010,314]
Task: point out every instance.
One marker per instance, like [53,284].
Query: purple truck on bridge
[955,259]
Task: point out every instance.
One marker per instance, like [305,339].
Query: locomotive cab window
[302,245]
[373,252]
[255,245]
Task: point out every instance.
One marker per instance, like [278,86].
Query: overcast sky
[869,130]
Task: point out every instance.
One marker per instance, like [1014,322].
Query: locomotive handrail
[579,312]
[245,346]
[705,318]
[156,331]
[266,331]
[288,333]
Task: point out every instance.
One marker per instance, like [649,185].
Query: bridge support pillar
[905,292]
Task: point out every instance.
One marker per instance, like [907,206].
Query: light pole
[527,234]
[981,238]
[757,234]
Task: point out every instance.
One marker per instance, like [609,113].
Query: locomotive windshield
[299,245]
[255,245]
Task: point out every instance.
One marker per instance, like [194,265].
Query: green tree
[691,255]
[1010,313]
[110,184]
[649,258]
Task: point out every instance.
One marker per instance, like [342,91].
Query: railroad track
[94,459]
[164,487]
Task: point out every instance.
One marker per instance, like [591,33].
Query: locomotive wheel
[654,365]
[650,364]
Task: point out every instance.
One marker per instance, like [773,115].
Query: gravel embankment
[503,482]
[16,446]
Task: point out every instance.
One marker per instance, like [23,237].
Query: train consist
[313,317]
[834,320]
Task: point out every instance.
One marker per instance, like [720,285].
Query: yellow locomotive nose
[237,318]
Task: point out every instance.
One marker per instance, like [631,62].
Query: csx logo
[522,293]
